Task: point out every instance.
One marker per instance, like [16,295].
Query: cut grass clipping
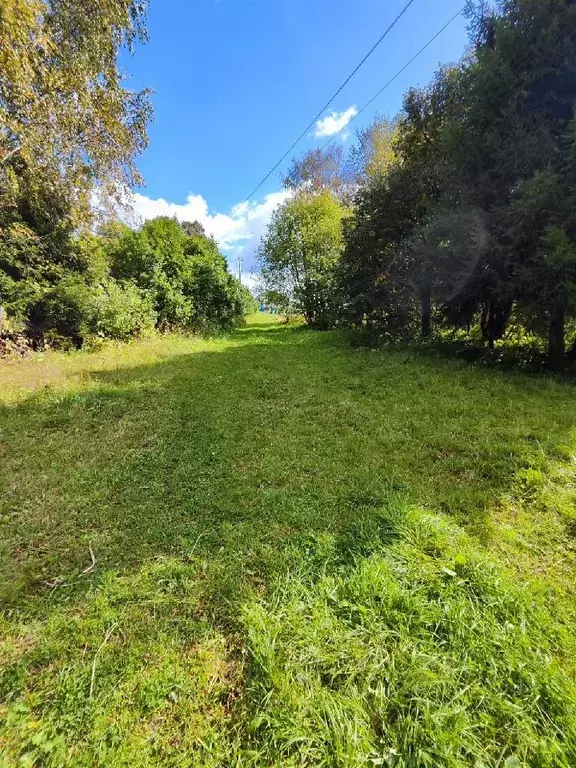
[275,550]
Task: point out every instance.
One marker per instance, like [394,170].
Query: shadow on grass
[234,455]
[507,357]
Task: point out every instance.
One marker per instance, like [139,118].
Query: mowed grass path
[276,549]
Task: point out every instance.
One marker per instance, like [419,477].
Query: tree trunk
[484,322]
[556,337]
[494,320]
[426,303]
[487,323]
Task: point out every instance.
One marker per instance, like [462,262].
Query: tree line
[459,216]
[70,133]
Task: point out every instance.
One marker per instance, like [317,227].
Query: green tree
[474,215]
[374,283]
[217,299]
[68,127]
[517,124]
[300,252]
[186,276]
[67,123]
[384,269]
[542,228]
[440,261]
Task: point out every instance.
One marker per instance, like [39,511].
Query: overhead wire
[329,102]
[396,76]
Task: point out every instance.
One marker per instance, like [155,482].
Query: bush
[247,303]
[21,269]
[64,310]
[77,310]
[17,296]
[117,284]
[121,310]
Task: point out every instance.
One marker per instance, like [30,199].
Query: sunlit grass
[276,549]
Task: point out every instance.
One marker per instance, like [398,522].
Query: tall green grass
[405,645]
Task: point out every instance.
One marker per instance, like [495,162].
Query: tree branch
[9,155]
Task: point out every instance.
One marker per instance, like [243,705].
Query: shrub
[17,296]
[21,268]
[76,310]
[64,310]
[247,303]
[121,310]
[116,284]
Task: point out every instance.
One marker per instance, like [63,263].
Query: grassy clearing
[305,554]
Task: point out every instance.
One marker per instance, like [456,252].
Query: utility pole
[240,269]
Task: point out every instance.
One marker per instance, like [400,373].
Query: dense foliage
[300,251]
[69,134]
[118,284]
[67,121]
[464,208]
[186,276]
[474,223]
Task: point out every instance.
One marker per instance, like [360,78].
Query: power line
[328,103]
[396,76]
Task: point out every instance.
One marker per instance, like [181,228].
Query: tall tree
[317,170]
[475,214]
[373,153]
[541,228]
[383,275]
[374,281]
[300,251]
[67,122]
[517,124]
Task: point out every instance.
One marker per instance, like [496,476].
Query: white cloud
[237,232]
[334,122]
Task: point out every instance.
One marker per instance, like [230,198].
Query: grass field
[277,549]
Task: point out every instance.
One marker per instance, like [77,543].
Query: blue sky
[236,81]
